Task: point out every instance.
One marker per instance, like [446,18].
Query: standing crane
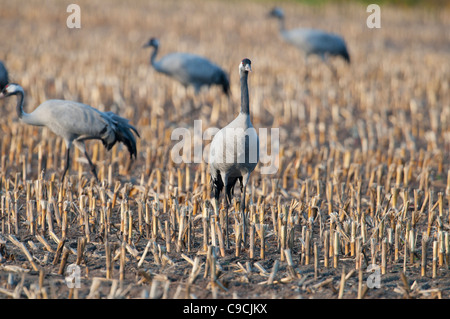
[312,41]
[4,79]
[234,150]
[76,122]
[189,69]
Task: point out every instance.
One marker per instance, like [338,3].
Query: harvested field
[359,205]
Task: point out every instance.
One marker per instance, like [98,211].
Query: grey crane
[76,122]
[189,69]
[234,150]
[312,41]
[4,79]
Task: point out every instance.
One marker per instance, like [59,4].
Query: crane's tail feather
[216,185]
[225,84]
[346,56]
[124,133]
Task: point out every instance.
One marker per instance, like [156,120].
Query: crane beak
[248,68]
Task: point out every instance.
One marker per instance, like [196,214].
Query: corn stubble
[363,180]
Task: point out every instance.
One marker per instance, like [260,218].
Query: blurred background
[393,97]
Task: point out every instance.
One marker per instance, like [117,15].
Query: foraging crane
[234,150]
[312,41]
[3,76]
[75,123]
[189,69]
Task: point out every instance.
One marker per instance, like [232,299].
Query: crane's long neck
[245,105]
[281,24]
[153,56]
[19,106]
[26,117]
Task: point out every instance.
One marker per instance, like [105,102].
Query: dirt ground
[170,279]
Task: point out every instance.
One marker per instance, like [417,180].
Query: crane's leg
[94,171]
[80,145]
[242,211]
[306,77]
[227,206]
[244,180]
[66,166]
[197,89]
[329,65]
[228,188]
[217,186]
[333,70]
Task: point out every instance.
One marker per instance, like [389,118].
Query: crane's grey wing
[297,37]
[4,78]
[326,42]
[246,143]
[314,41]
[216,152]
[222,153]
[77,121]
[201,69]
[189,68]
[71,120]
[235,148]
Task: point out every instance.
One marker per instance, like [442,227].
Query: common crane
[189,69]
[76,122]
[312,41]
[234,150]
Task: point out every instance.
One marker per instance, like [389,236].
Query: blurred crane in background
[189,69]
[4,79]
[312,41]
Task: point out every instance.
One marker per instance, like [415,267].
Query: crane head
[245,65]
[153,42]
[276,12]
[10,89]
